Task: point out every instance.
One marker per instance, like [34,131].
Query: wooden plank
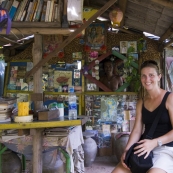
[36,24]
[37,56]
[150,5]
[37,150]
[166,18]
[159,30]
[167,34]
[70,38]
[137,7]
[123,5]
[168,4]
[37,97]
[22,132]
[160,23]
[141,17]
[168,11]
[41,124]
[140,26]
[168,44]
[38,89]
[154,13]
[42,31]
[100,58]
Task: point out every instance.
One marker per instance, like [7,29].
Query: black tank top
[164,125]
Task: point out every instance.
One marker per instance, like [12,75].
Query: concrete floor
[104,164]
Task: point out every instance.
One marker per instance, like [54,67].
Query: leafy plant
[131,74]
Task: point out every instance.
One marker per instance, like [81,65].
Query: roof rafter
[123,5]
[168,4]
[167,34]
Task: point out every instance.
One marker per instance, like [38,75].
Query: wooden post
[37,133]
[37,150]
[37,56]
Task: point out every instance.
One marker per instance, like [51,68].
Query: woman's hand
[122,160]
[145,147]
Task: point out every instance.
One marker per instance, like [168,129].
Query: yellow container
[23,108]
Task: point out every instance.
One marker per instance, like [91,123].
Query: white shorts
[163,158]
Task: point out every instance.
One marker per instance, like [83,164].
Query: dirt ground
[104,164]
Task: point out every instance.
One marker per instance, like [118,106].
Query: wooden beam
[36,24]
[168,43]
[37,56]
[37,150]
[70,38]
[163,46]
[167,34]
[42,31]
[123,5]
[167,4]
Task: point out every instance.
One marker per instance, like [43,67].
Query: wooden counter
[61,122]
[36,129]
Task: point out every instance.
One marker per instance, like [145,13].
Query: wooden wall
[113,39]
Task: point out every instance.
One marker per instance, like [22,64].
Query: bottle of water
[72,105]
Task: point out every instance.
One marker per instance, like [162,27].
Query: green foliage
[131,74]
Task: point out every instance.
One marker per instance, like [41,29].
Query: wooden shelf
[36,24]
[41,124]
[30,28]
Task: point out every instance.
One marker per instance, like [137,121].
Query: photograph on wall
[77,55]
[62,78]
[91,87]
[135,56]
[95,36]
[123,47]
[132,47]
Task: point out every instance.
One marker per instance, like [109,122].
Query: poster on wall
[132,47]
[109,108]
[62,78]
[95,36]
[123,47]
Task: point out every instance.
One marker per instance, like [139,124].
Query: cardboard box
[48,114]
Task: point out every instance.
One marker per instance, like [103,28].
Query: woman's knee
[120,169]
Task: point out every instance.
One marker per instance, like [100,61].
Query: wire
[18,41]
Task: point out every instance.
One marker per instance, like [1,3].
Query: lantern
[116,16]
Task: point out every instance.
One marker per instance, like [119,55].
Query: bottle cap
[71,89]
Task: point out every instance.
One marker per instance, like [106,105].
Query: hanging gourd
[116,16]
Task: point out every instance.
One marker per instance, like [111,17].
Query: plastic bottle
[72,105]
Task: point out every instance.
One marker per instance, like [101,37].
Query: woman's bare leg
[156,170]
[120,169]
